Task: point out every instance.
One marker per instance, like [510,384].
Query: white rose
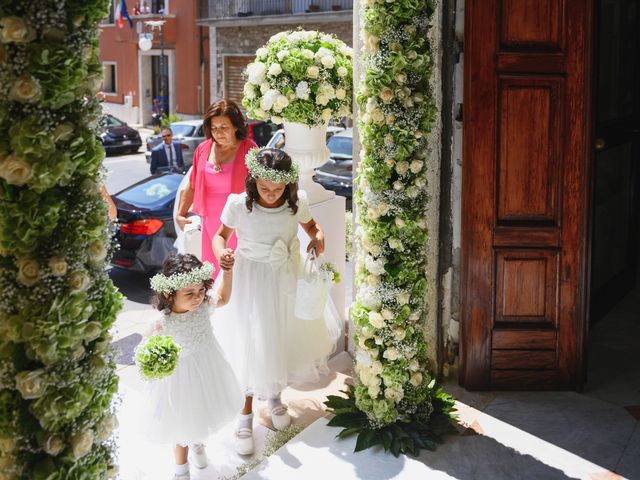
[371,44]
[63,132]
[414,317]
[376,367]
[7,444]
[383,208]
[282,54]
[386,95]
[366,118]
[416,379]
[388,139]
[375,250]
[420,182]
[399,334]
[92,330]
[341,93]
[402,167]
[78,281]
[106,427]
[400,222]
[401,78]
[418,97]
[302,90]
[342,71]
[28,271]
[344,111]
[81,443]
[412,55]
[264,87]
[413,192]
[414,365]
[58,266]
[378,118]
[262,52]
[16,30]
[25,89]
[391,119]
[393,394]
[15,170]
[307,54]
[97,252]
[366,332]
[390,354]
[387,314]
[408,103]
[31,384]
[256,72]
[398,186]
[54,445]
[281,102]
[274,69]
[328,61]
[416,166]
[402,298]
[249,91]
[276,120]
[361,343]
[376,320]
[313,71]
[373,280]
[277,37]
[374,391]
[422,223]
[396,244]
[322,99]
[346,51]
[365,375]
[326,114]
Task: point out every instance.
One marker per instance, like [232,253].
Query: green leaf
[348,431]
[348,420]
[365,440]
[387,438]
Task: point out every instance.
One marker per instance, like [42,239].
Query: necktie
[170,155]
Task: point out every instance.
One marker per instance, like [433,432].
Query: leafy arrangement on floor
[395,401]
[57,374]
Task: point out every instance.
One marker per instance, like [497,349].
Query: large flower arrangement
[300,77]
[57,375]
[395,401]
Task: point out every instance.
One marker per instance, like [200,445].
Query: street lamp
[145,43]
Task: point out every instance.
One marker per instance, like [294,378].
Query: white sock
[182,469]
[245,421]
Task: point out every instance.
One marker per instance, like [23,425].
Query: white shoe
[244,441]
[184,476]
[280,417]
[198,455]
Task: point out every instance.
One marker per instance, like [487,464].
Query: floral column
[57,375]
[395,401]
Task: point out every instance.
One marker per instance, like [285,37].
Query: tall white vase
[308,146]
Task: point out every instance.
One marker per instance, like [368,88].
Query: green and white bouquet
[329,271]
[158,357]
[300,77]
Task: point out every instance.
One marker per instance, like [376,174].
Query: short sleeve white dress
[201,395]
[267,345]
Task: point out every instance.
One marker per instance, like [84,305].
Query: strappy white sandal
[244,441]
[280,417]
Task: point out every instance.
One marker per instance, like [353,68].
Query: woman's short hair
[229,109]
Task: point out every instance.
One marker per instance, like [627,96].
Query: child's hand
[227,259]
[316,243]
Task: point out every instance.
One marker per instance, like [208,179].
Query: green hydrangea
[158,357]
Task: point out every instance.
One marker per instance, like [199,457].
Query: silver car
[188,132]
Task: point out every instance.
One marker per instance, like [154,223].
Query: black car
[118,137]
[337,173]
[146,232]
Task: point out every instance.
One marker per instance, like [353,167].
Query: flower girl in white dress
[202,394]
[267,345]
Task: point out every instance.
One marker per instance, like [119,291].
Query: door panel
[525,193]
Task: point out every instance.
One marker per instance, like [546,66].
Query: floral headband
[258,170]
[163,284]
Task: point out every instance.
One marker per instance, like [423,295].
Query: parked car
[118,137]
[276,140]
[146,231]
[337,173]
[190,134]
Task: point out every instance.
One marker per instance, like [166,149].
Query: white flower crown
[258,170]
[163,284]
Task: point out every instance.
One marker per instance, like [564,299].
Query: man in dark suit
[168,155]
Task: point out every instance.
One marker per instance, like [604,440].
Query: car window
[182,130]
[152,191]
[200,132]
[340,146]
[109,121]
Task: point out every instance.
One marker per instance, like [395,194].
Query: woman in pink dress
[218,170]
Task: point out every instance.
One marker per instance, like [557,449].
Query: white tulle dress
[201,395]
[269,348]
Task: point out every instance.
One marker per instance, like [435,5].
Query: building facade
[174,70]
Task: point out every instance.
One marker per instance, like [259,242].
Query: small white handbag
[193,237]
[314,287]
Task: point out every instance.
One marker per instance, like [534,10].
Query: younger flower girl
[202,393]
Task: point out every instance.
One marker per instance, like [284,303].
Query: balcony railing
[218,9]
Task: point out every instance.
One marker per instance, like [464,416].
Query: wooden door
[616,199]
[525,193]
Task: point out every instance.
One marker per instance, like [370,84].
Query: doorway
[614,327]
